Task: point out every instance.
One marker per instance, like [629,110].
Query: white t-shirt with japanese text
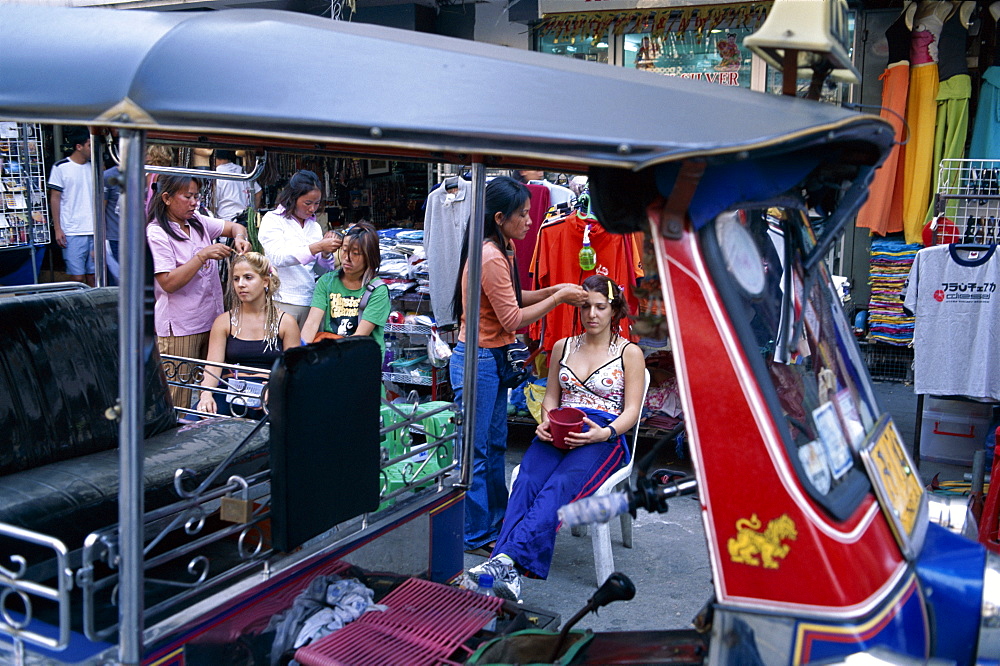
[954,295]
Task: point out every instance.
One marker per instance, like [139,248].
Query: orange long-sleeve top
[499,313]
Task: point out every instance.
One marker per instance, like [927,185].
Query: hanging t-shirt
[445,222]
[556,261]
[954,297]
[340,307]
[232,197]
[557,193]
[524,248]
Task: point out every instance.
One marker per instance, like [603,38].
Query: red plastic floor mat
[425,623]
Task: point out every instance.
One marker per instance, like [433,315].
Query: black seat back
[58,375]
[324,403]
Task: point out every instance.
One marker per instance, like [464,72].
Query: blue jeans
[486,499]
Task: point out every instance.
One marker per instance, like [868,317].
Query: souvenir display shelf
[24,217]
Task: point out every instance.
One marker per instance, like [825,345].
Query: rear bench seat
[58,452]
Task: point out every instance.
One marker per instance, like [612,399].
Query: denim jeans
[486,499]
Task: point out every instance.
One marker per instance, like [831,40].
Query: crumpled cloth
[328,604]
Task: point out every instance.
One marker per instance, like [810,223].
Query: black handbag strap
[372,286]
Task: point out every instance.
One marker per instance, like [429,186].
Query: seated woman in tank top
[602,374]
[253,333]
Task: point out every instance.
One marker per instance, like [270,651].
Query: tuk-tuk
[815,519]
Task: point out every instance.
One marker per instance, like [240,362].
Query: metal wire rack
[967,202]
[23,211]
[888,363]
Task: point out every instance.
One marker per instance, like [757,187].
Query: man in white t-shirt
[557,193]
[71,201]
[232,196]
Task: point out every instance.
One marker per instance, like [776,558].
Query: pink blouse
[192,308]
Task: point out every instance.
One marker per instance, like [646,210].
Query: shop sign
[696,22]
[722,78]
[717,57]
[561,6]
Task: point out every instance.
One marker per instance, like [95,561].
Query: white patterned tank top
[604,389]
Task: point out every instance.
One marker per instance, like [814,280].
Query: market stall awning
[302,77]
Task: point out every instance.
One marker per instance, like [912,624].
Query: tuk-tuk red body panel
[770,545]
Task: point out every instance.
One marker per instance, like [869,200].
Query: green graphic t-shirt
[340,307]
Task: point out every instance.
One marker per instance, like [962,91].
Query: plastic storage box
[951,431]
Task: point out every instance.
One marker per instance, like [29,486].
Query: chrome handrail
[43,288]
[13,582]
[205,174]
[258,169]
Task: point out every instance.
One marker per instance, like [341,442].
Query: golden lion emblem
[750,542]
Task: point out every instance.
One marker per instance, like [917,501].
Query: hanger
[909,11]
[973,228]
[450,182]
[583,210]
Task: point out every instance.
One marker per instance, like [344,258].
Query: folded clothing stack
[890,266]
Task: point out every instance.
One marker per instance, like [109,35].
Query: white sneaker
[506,580]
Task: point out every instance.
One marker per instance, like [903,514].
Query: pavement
[669,560]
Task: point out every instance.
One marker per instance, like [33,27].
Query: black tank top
[951,47]
[898,37]
[251,353]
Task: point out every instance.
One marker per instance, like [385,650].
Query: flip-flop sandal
[483,551]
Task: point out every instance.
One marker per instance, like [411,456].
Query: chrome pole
[132,357]
[474,262]
[100,231]
[29,189]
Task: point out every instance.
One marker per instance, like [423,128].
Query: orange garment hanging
[883,212]
[556,261]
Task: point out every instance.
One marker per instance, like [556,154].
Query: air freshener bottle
[588,258]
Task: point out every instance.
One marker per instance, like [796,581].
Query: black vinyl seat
[59,471]
[71,498]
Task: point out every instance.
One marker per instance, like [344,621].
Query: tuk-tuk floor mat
[425,623]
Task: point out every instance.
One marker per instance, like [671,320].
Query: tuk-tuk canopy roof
[299,77]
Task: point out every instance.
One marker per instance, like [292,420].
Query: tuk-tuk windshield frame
[796,340]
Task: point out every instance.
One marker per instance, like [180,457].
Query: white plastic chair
[604,561]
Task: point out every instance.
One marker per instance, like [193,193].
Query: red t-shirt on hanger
[557,261]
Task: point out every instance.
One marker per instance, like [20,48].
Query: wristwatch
[614,433]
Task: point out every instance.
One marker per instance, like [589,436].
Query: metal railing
[14,582]
[188,373]
[188,551]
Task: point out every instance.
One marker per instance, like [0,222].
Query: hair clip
[611,291]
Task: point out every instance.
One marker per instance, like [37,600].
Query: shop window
[715,55]
[582,48]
